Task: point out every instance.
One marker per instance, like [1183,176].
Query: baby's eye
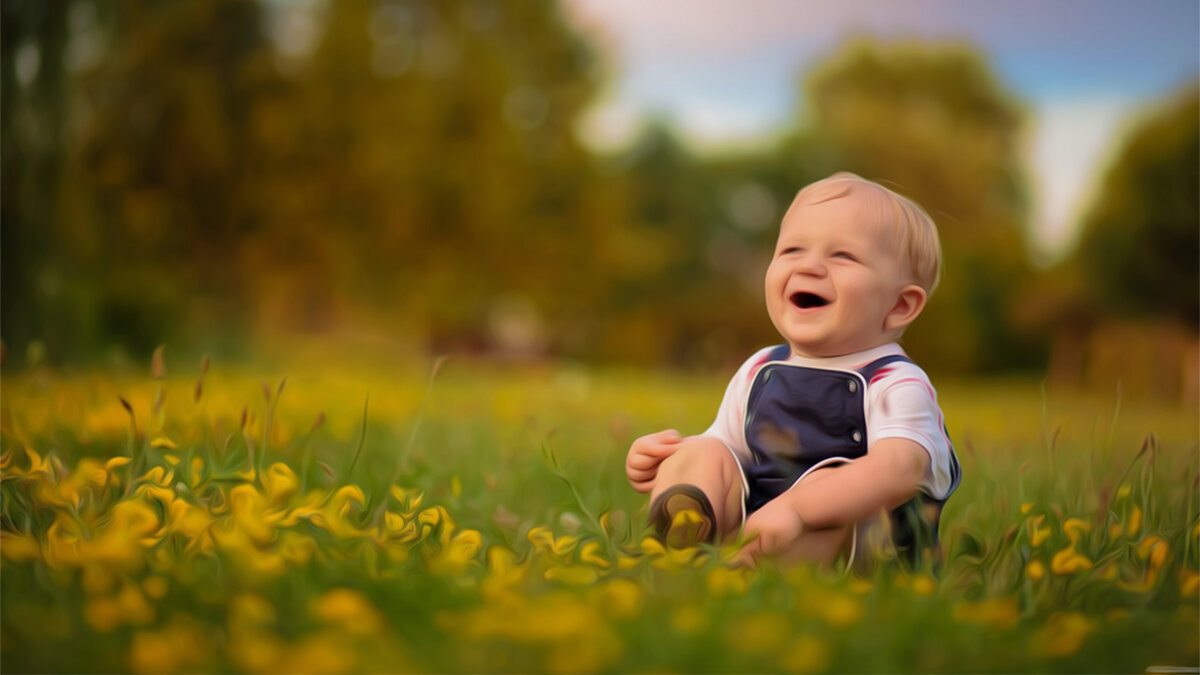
[790,250]
[845,255]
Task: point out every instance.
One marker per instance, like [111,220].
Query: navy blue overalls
[797,417]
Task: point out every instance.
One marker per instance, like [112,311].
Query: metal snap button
[856,436]
[852,385]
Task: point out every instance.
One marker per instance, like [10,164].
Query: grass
[478,521]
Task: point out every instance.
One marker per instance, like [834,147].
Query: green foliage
[237,172]
[1142,233]
[486,526]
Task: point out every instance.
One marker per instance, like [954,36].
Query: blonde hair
[915,232]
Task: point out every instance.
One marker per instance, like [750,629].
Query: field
[474,517]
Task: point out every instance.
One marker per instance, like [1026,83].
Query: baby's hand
[646,453]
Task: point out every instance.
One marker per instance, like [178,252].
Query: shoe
[683,517]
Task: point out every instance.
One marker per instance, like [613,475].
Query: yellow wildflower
[102,614]
[1153,549]
[106,613]
[349,610]
[1063,635]
[111,466]
[729,580]
[590,553]
[130,530]
[572,575]
[296,548]
[1035,570]
[456,555]
[155,587]
[157,476]
[1189,583]
[1026,507]
[193,522]
[37,465]
[545,541]
[1068,561]
[280,483]
[1001,613]
[249,611]
[19,547]
[408,498]
[1038,534]
[249,515]
[652,546]
[1135,520]
[257,652]
[163,442]
[806,654]
[97,579]
[320,652]
[760,633]
[178,647]
[430,519]
[923,584]
[623,598]
[503,572]
[689,618]
[197,470]
[841,611]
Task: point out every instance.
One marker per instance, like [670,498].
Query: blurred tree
[932,123]
[289,167]
[33,35]
[660,292]
[437,146]
[156,170]
[1141,235]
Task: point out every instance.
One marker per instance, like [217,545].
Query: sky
[725,71]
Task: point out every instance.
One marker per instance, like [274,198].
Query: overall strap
[868,371]
[779,353]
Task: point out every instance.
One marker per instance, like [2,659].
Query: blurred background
[593,180]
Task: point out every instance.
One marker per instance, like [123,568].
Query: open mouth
[805,300]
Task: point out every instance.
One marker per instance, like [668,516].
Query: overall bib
[799,417]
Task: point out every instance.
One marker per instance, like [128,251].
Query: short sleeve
[904,405]
[728,427]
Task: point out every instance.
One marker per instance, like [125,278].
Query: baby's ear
[908,307]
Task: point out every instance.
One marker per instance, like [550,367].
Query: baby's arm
[812,517]
[890,474]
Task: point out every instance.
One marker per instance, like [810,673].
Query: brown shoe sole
[676,500]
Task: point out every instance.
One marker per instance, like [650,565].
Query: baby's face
[835,278]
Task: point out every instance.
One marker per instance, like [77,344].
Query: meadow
[473,517]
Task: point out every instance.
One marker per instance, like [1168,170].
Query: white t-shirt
[900,403]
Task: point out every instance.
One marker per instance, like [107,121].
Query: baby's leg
[707,464]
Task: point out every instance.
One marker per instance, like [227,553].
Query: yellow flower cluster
[1130,559]
[191,566]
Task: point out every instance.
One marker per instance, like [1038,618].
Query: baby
[826,431]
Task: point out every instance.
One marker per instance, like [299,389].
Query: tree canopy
[221,173]
[1141,235]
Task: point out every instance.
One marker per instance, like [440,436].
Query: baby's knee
[702,450]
